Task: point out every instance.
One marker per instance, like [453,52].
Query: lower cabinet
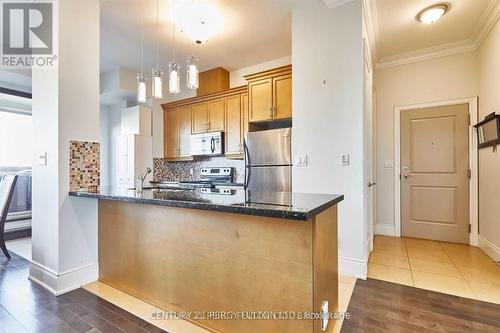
[177,136]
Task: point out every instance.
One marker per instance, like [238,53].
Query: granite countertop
[294,206]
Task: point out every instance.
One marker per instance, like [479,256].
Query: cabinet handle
[274,111]
[270,111]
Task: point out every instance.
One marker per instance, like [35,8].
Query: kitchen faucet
[142,178]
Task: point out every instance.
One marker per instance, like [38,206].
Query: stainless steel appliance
[209,177]
[204,144]
[268,162]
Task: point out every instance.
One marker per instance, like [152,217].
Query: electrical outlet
[388,164]
[324,315]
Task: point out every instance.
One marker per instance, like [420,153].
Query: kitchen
[246,133]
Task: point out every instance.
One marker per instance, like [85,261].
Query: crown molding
[488,20]
[427,54]
[336,3]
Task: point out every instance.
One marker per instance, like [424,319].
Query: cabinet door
[244,117]
[216,115]
[233,125]
[282,96]
[260,100]
[184,130]
[199,117]
[171,135]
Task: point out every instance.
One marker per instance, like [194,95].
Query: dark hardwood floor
[26,307]
[378,306]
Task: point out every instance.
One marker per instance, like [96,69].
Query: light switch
[301,160]
[344,160]
[42,159]
[388,164]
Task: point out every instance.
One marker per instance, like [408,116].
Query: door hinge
[469,173]
[469,118]
[470,228]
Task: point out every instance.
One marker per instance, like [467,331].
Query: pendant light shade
[192,73]
[157,83]
[174,77]
[156,77]
[141,88]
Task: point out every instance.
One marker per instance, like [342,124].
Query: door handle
[370,184]
[407,176]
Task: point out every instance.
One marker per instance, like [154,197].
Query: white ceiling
[399,32]
[254,31]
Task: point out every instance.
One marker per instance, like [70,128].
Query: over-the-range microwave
[205,144]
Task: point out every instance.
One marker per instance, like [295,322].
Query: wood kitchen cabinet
[177,133]
[199,117]
[270,94]
[208,116]
[234,125]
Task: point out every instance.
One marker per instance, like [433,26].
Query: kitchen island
[230,261]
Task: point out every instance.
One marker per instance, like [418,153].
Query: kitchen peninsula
[196,251]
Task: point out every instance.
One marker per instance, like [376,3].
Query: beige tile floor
[145,310]
[449,268]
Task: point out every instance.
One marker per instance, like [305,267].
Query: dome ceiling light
[433,13]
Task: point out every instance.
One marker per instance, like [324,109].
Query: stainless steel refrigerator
[268,161]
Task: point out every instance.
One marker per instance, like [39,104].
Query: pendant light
[141,78]
[157,84]
[173,67]
[192,73]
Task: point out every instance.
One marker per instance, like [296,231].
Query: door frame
[473,162]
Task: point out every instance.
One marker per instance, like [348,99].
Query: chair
[7,185]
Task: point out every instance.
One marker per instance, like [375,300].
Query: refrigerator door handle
[247,165]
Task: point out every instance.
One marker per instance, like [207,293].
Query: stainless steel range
[210,177]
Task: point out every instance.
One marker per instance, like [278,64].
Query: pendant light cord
[157,33]
[142,36]
[173,17]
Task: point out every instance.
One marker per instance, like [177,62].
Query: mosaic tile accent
[84,173]
[179,171]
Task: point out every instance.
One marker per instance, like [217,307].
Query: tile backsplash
[84,171]
[175,171]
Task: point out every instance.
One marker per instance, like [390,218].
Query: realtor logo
[27,28]
[27,34]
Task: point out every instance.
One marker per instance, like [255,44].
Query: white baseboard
[353,267]
[489,248]
[385,230]
[58,284]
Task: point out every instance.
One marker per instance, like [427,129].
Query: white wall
[439,79]
[66,107]
[327,61]
[489,161]
[236,77]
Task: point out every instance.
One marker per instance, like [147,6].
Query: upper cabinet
[208,116]
[267,97]
[270,94]
[177,133]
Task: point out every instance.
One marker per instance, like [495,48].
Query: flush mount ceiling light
[199,20]
[433,13]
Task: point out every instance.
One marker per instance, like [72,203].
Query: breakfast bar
[265,260]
